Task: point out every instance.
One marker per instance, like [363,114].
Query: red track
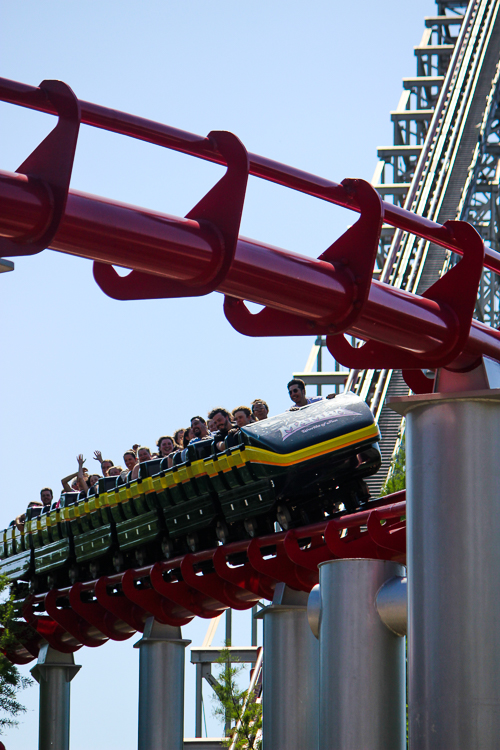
[183,257]
[94,615]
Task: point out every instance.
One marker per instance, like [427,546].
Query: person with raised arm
[106,463]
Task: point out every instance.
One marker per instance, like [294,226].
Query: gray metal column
[453,530]
[254,626]
[229,638]
[362,663]
[54,672]
[198,701]
[290,674]
[161,687]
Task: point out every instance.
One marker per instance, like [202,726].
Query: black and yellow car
[295,468]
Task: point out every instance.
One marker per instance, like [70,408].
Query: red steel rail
[203,147]
[206,583]
[173,256]
[181,250]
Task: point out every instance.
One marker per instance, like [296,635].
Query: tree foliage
[11,681]
[396,479]
[239,708]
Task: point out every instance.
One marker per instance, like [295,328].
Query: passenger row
[219,424]
[226,485]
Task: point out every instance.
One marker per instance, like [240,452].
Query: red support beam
[180,249]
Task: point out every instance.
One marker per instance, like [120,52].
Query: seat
[233,439]
[150,468]
[180,457]
[107,483]
[201,449]
[142,490]
[69,498]
[33,513]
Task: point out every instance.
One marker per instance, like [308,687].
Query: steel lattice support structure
[479,204]
[440,169]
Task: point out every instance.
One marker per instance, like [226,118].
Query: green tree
[11,681]
[237,708]
[396,479]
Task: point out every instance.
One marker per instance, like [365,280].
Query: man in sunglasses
[297,392]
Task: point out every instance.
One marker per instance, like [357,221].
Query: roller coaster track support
[291,673]
[362,663]
[54,671]
[454,574]
[161,687]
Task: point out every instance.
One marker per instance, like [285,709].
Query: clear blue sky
[307,84]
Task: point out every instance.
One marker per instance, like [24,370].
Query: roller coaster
[303,467]
[198,537]
[295,469]
[140,522]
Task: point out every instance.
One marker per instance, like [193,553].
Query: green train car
[295,468]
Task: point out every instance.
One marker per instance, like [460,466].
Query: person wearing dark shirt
[46,496]
[297,392]
[222,421]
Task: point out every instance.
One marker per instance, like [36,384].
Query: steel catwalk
[453,528]
[362,663]
[54,672]
[161,687]
[290,674]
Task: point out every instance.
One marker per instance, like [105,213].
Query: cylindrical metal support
[290,674]
[161,687]
[362,663]
[198,702]
[254,626]
[54,672]
[453,531]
